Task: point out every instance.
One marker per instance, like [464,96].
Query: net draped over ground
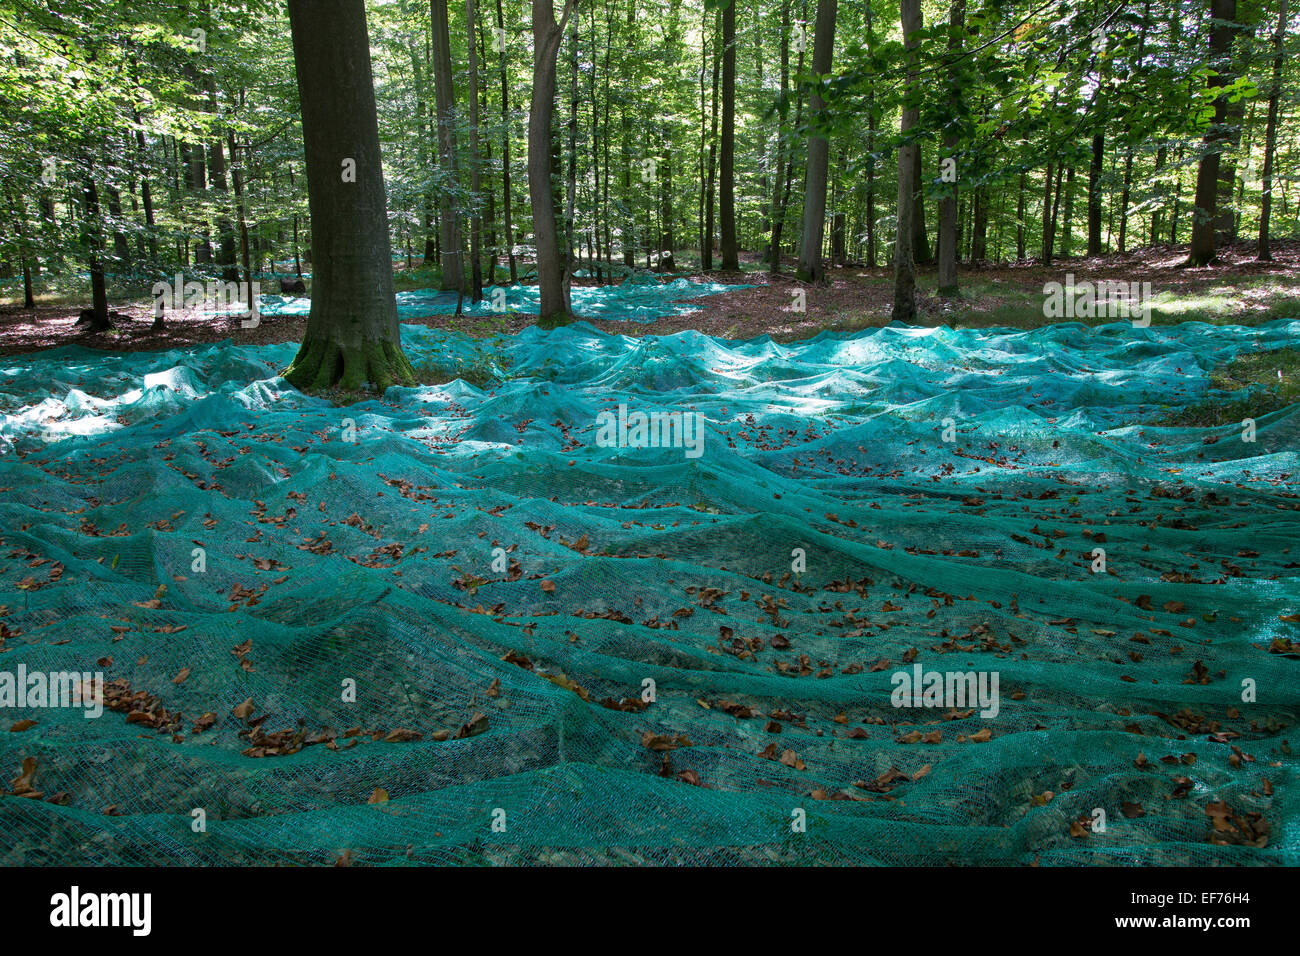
[636,299]
[827,538]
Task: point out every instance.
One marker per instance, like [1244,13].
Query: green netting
[637,299]
[372,561]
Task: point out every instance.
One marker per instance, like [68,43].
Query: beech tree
[904,266]
[1205,215]
[547,34]
[727,153]
[352,334]
[811,268]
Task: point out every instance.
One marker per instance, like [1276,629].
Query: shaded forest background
[143,139]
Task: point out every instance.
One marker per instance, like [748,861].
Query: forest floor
[1237,290]
[500,582]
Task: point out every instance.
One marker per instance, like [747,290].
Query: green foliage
[1016,87]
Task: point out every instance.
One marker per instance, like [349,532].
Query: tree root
[555,321]
[321,364]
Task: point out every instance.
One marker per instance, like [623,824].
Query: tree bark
[904,309]
[727,175]
[93,225]
[773,253]
[450,240]
[352,332]
[505,153]
[1094,193]
[948,205]
[475,173]
[1204,216]
[1263,253]
[547,34]
[1067,240]
[706,253]
[920,241]
[811,267]
[1020,220]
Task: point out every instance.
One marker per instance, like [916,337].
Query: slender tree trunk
[727,176]
[352,333]
[811,267]
[920,240]
[19,212]
[1227,210]
[706,254]
[449,235]
[93,227]
[871,182]
[1125,193]
[571,239]
[1178,197]
[475,164]
[948,205]
[773,253]
[547,34]
[1161,155]
[236,181]
[1056,203]
[1067,239]
[507,202]
[1094,193]
[121,249]
[1205,217]
[217,177]
[1264,254]
[1020,220]
[904,309]
[783,204]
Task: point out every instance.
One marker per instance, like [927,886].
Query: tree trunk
[1094,193]
[1056,203]
[706,253]
[217,176]
[727,175]
[948,205]
[571,177]
[811,267]
[1204,216]
[121,249]
[505,152]
[93,225]
[1125,193]
[1067,239]
[475,174]
[904,309]
[237,182]
[920,241]
[1264,254]
[1226,214]
[1161,154]
[547,34]
[449,237]
[352,332]
[783,188]
[19,213]
[1020,220]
